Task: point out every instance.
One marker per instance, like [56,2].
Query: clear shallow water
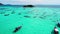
[39,20]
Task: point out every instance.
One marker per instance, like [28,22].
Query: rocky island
[28,6]
[1,4]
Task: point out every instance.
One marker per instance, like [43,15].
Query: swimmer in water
[56,31]
[58,24]
[17,28]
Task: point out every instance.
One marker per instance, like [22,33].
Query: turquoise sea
[35,20]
